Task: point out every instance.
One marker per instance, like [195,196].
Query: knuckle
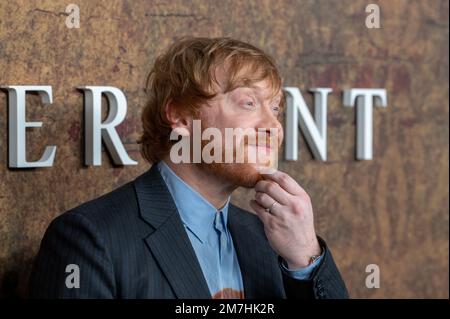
[304,195]
[259,196]
[297,207]
[271,187]
[284,179]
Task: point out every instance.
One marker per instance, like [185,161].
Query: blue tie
[224,248]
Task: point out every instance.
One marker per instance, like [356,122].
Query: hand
[289,226]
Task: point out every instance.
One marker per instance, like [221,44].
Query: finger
[267,202]
[285,181]
[273,190]
[263,215]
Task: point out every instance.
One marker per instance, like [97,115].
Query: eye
[249,104]
[276,109]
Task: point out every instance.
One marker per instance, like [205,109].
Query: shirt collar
[195,211]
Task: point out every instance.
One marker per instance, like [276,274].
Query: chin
[236,174]
[245,174]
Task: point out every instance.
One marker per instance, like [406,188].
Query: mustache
[268,143]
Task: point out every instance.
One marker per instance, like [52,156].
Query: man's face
[253,109]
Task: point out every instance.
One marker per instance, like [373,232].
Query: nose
[269,120]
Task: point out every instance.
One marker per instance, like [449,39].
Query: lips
[263,153]
[263,149]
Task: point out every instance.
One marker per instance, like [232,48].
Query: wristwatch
[313,259]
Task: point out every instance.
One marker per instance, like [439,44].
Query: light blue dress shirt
[212,242]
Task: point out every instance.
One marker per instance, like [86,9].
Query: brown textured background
[392,211]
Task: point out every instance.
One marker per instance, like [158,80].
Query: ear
[179,120]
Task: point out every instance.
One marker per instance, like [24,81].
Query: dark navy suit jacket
[131,243]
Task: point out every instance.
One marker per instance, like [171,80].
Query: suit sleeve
[325,283]
[71,239]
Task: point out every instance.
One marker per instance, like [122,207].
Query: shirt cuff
[300,273]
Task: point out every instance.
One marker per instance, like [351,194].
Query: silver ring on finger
[269,209]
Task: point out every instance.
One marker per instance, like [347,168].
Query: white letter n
[315,130]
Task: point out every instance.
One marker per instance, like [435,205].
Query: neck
[214,190]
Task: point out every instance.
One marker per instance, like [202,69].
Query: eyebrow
[257,88]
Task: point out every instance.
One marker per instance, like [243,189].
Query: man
[172,232]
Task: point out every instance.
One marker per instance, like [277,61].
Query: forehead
[229,79]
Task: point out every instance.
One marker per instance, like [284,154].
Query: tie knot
[218,222]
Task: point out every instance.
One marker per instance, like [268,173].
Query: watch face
[314,258]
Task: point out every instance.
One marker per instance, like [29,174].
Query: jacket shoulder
[121,200]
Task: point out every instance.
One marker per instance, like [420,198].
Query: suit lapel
[261,275]
[169,243]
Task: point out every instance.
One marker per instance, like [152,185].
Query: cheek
[211,118]
[233,121]
[221,117]
[242,122]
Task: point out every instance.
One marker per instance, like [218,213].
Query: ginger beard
[260,155]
